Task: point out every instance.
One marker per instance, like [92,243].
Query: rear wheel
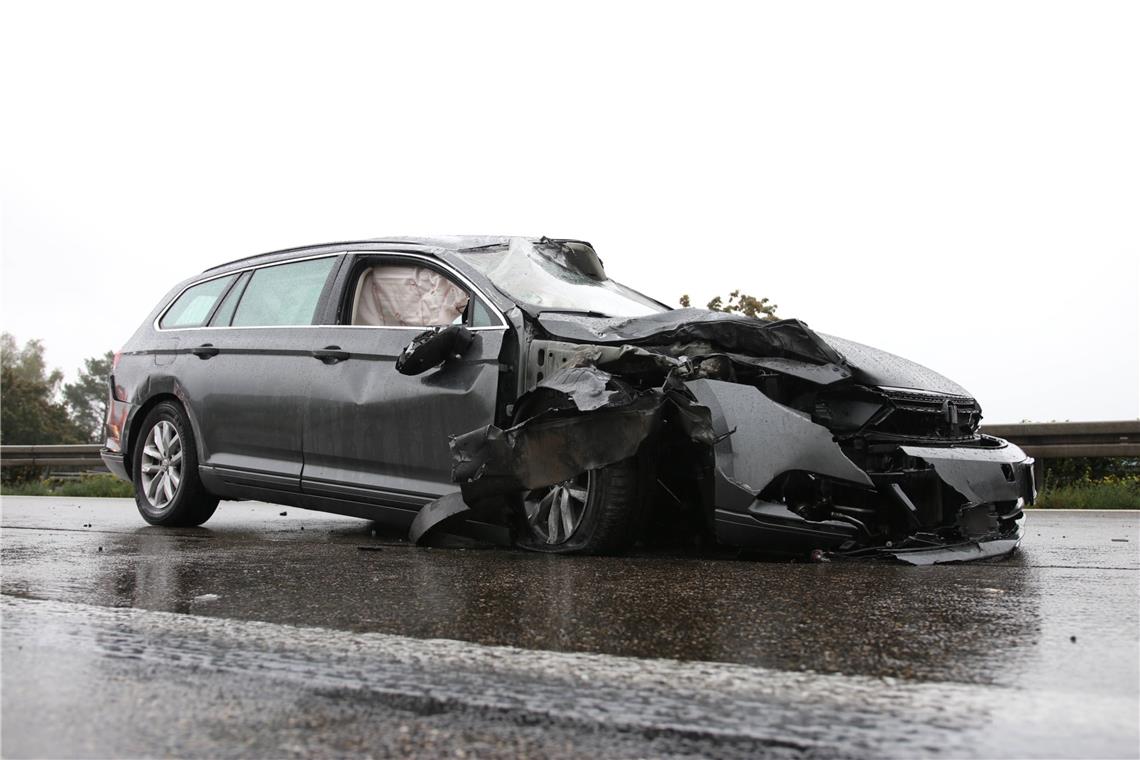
[594,513]
[168,490]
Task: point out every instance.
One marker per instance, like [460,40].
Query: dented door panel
[372,434]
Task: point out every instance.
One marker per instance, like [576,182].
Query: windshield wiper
[583,312]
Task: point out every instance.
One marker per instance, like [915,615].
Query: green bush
[1077,470]
[1110,492]
[88,485]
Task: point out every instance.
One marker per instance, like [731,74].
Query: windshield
[544,281]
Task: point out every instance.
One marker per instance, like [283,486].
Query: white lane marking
[884,717]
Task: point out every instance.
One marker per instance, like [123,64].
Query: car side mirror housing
[432,348]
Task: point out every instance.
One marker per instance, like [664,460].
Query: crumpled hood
[749,336]
[873,366]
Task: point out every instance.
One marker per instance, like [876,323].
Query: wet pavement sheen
[1060,616]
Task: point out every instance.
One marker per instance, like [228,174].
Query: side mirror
[432,348]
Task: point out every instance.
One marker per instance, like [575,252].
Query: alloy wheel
[162,464]
[555,512]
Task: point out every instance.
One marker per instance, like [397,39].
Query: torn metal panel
[694,420]
[586,387]
[625,358]
[767,438]
[546,358]
[435,515]
[767,525]
[450,515]
[980,475]
[733,333]
[965,552]
[748,336]
[628,358]
[550,449]
[819,374]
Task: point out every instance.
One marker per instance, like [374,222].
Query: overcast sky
[958,183]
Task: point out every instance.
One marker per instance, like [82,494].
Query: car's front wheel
[594,513]
[168,490]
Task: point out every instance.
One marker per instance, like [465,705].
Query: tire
[169,492]
[595,513]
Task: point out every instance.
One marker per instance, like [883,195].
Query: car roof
[419,244]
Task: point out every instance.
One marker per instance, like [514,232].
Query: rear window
[193,307]
[285,294]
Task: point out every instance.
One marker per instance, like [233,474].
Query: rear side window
[285,294]
[193,307]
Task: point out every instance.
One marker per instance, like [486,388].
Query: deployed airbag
[407,296]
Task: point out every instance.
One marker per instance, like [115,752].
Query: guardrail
[42,455]
[1049,440]
[1041,440]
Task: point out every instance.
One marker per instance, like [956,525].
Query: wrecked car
[506,388]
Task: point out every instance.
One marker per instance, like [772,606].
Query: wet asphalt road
[280,635]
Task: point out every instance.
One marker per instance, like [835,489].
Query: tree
[86,399]
[30,409]
[740,303]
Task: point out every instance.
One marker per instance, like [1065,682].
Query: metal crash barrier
[1041,440]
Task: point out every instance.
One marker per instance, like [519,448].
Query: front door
[373,436]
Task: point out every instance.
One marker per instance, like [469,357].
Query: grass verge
[89,485]
[1107,493]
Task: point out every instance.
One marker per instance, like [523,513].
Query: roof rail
[303,248]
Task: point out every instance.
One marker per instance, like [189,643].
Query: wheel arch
[140,415]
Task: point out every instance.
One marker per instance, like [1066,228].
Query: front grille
[914,414]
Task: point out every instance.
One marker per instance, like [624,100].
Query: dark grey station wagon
[506,388]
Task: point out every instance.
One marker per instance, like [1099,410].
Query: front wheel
[593,513]
[168,490]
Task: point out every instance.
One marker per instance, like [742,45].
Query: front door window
[401,295]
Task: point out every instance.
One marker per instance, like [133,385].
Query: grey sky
[957,183]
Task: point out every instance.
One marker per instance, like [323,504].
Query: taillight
[115,360]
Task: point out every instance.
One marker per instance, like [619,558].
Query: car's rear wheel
[594,513]
[168,490]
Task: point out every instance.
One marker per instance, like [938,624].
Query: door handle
[205,351]
[331,354]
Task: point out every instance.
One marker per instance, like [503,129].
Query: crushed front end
[847,481]
[792,443]
[764,435]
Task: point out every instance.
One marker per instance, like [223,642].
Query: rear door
[245,376]
[374,436]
